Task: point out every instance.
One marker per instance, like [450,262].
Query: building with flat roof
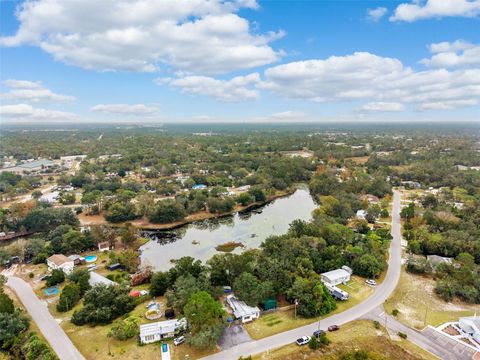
[160,330]
[335,277]
[29,166]
[241,310]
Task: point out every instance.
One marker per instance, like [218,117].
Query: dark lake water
[250,229]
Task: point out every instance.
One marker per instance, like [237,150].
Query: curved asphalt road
[50,329]
[382,292]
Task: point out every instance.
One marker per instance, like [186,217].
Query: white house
[60,261]
[157,331]
[96,278]
[471,326]
[241,310]
[335,277]
[361,214]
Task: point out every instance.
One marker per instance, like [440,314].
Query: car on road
[318,333]
[371,282]
[177,341]
[303,340]
[333,328]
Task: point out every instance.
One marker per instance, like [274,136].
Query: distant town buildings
[30,166]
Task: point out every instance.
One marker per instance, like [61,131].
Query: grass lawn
[94,343]
[416,301]
[352,336]
[279,321]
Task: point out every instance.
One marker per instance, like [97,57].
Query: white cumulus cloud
[197,36]
[125,109]
[421,9]
[377,13]
[375,79]
[28,112]
[455,54]
[24,90]
[238,88]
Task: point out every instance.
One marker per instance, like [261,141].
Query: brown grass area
[359,160]
[416,301]
[357,335]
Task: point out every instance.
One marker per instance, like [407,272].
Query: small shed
[270,304]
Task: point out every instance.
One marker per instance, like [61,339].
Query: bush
[31,275]
[313,343]
[376,324]
[69,297]
[57,277]
[35,348]
[124,329]
[323,339]
[395,312]
[6,304]
[40,258]
[402,335]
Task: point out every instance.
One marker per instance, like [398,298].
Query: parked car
[333,328]
[303,340]
[143,292]
[317,333]
[371,282]
[178,340]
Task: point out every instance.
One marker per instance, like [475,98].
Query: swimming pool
[51,291]
[90,258]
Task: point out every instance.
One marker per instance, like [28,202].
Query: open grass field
[419,306]
[279,321]
[357,335]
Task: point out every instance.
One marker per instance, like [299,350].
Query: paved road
[382,292]
[50,329]
[437,344]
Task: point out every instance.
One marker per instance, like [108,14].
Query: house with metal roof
[96,278]
[471,326]
[241,310]
[335,277]
[160,330]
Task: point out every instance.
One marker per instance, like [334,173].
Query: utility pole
[296,303]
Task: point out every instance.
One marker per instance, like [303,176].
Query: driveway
[50,329]
[381,293]
[428,339]
[233,335]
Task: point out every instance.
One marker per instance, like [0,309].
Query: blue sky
[135,61]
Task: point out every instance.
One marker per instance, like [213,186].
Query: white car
[371,282]
[177,341]
[303,340]
[143,292]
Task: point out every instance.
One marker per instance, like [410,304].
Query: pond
[199,240]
